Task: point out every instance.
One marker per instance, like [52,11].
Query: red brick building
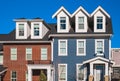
[26,52]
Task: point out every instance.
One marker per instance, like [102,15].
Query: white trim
[61,9]
[27,54]
[59,47]
[11,75]
[78,35]
[84,54]
[65,73]
[1,59]
[32,30]
[3,71]
[77,72]
[100,8]
[52,47]
[97,58]
[110,55]
[96,40]
[1,52]
[80,9]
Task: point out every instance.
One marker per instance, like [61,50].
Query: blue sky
[11,9]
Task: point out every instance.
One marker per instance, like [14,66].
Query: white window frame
[81,54]
[28,54]
[13,54]
[12,77]
[25,30]
[26,75]
[99,14]
[59,72]
[44,54]
[65,54]
[83,73]
[1,59]
[96,40]
[61,18]
[32,30]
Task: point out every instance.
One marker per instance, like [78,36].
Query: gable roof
[101,9]
[82,9]
[61,9]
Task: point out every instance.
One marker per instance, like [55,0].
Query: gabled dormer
[22,28]
[63,22]
[81,18]
[38,28]
[100,19]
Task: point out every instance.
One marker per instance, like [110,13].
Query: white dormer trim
[80,9]
[98,9]
[32,30]
[61,9]
[25,30]
[99,14]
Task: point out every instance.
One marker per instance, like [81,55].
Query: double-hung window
[81,47]
[99,47]
[99,22]
[28,53]
[1,59]
[62,47]
[80,22]
[26,75]
[62,23]
[62,68]
[13,53]
[44,53]
[21,29]
[80,72]
[13,76]
[36,30]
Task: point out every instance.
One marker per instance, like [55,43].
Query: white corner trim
[59,69]
[59,54]
[98,9]
[78,54]
[80,8]
[96,46]
[110,51]
[61,9]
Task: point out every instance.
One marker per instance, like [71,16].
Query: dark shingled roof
[2,68]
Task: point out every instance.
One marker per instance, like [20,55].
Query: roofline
[60,9]
[81,8]
[3,71]
[25,41]
[107,60]
[99,7]
[78,35]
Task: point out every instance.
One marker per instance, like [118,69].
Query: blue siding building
[81,45]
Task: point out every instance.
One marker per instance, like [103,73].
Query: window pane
[62,47]
[81,22]
[28,53]
[99,47]
[36,29]
[80,72]
[81,26]
[1,59]
[13,76]
[62,72]
[13,53]
[21,29]
[43,53]
[99,22]
[80,47]
[62,22]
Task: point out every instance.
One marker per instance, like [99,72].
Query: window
[28,53]
[1,59]
[13,76]
[26,75]
[99,22]
[62,22]
[13,53]
[81,47]
[21,29]
[43,53]
[80,72]
[99,47]
[62,47]
[62,68]
[36,30]
[80,22]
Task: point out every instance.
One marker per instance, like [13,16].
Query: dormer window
[62,23]
[21,29]
[99,23]
[80,22]
[36,30]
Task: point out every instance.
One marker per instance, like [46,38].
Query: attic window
[80,22]
[21,29]
[36,29]
[63,23]
[99,22]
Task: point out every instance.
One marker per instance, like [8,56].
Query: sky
[12,9]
